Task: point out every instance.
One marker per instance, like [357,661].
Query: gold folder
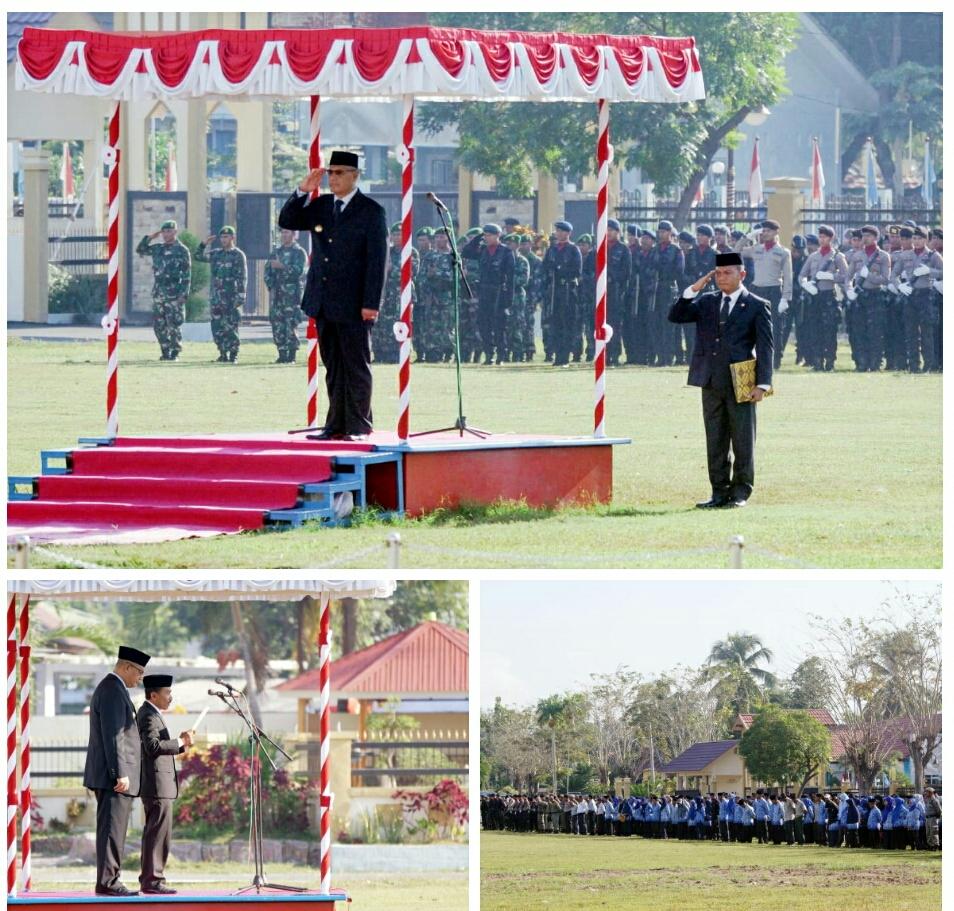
[743,380]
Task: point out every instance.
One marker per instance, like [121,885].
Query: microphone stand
[256,736]
[460,275]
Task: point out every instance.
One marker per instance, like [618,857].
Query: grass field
[849,465]
[528,872]
[368,891]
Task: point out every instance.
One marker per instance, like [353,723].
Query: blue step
[48,456]
[20,487]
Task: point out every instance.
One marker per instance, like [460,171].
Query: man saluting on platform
[160,781]
[113,765]
[731,325]
[349,261]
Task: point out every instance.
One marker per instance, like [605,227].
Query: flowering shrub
[441,812]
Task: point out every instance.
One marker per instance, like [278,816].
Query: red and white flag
[700,196]
[172,175]
[818,177]
[756,197]
[66,173]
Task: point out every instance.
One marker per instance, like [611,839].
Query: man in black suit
[732,325]
[160,781]
[113,764]
[349,258]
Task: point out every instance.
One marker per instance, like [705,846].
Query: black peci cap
[127,653]
[157,681]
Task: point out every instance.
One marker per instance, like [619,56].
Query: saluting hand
[154,235]
[210,239]
[699,285]
[312,180]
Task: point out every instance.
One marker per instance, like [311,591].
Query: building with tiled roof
[711,766]
[743,721]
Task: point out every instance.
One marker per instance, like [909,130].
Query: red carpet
[246,442]
[132,515]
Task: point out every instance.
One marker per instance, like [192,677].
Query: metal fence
[401,763]
[81,254]
[57,759]
[843,213]
[738,216]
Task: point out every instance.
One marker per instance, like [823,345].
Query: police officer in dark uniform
[114,764]
[588,292]
[618,266]
[562,270]
[670,270]
[638,330]
[495,265]
[797,311]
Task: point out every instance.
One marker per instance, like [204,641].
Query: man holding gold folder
[733,326]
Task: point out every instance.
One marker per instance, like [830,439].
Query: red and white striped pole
[325,796]
[602,330]
[314,161]
[25,792]
[406,157]
[12,746]
[111,320]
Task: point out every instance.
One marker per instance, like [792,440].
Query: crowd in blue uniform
[888,822]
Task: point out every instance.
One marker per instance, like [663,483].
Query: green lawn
[368,891]
[849,465]
[529,871]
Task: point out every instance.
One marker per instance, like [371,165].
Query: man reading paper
[732,325]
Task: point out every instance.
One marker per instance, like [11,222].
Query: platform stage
[162,488]
[183,901]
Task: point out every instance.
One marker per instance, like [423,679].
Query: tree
[613,738]
[741,56]
[787,747]
[734,672]
[509,739]
[810,686]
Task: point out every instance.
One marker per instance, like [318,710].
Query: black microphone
[226,684]
[436,200]
[217,693]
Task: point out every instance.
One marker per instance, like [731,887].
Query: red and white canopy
[430,63]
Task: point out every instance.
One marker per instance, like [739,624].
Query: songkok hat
[664,226]
[344,159]
[128,653]
[169,223]
[826,229]
[704,230]
[227,229]
[563,226]
[612,224]
[632,230]
[686,237]
[157,681]
[771,224]
[728,259]
[491,228]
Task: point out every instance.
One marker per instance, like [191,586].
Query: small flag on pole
[818,177]
[172,175]
[700,196]
[66,173]
[929,178]
[755,178]
[871,183]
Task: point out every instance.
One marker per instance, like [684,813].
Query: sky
[540,638]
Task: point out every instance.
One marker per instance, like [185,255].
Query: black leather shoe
[714,503]
[326,434]
[159,889]
[354,437]
[119,891]
[734,504]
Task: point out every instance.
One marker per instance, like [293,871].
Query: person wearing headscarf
[852,822]
[873,825]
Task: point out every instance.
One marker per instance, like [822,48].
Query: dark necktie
[724,312]
[339,205]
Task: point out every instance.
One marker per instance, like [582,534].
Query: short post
[21,552]
[736,543]
[36,245]
[394,550]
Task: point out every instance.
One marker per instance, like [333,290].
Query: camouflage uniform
[286,285]
[437,286]
[533,298]
[172,269]
[226,297]
[517,321]
[385,347]
[470,342]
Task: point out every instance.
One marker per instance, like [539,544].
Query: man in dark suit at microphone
[160,781]
[114,765]
[349,258]
[732,325]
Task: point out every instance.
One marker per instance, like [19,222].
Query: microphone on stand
[219,693]
[226,684]
[436,200]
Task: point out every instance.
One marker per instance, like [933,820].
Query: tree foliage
[785,747]
[735,673]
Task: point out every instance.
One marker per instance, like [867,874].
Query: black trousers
[156,837]
[346,353]
[112,821]
[773,294]
[729,425]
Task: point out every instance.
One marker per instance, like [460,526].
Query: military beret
[343,159]
[612,224]
[424,232]
[227,229]
[687,237]
[737,234]
[510,220]
[473,232]
[870,229]
[826,229]
[721,229]
[632,230]
[491,228]
[910,223]
[127,653]
[169,223]
[525,238]
[938,233]
[728,259]
[704,230]
[585,239]
[920,232]
[664,226]
[856,232]
[157,681]
[771,224]
[812,240]
[646,232]
[798,241]
[563,225]
[511,238]
[906,232]
[396,227]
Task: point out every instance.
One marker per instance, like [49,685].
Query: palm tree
[734,672]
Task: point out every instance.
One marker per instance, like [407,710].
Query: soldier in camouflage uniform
[172,270]
[384,345]
[437,293]
[471,343]
[533,295]
[517,321]
[227,294]
[285,280]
